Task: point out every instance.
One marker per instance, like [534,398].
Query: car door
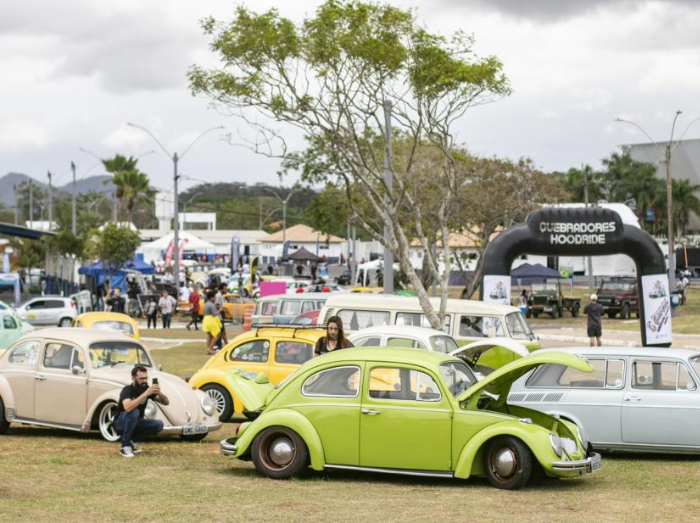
[52,312]
[35,312]
[20,373]
[287,356]
[662,404]
[405,419]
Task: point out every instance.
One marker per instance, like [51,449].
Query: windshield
[108,353]
[444,344]
[695,362]
[113,326]
[518,327]
[458,377]
[616,286]
[538,287]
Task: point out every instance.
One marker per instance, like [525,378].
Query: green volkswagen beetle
[405,411]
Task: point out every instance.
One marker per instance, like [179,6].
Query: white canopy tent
[188,242]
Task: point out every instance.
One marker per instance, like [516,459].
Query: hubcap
[107,422]
[504,462]
[281,451]
[218,399]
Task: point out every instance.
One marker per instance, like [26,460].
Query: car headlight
[208,405]
[569,446]
[582,436]
[151,410]
[555,440]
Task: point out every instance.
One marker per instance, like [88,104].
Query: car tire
[193,438]
[222,398]
[4,424]
[612,315]
[279,453]
[65,322]
[575,311]
[105,421]
[508,463]
[625,312]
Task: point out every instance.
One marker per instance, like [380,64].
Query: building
[318,243]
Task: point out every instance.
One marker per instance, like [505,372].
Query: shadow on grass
[648,456]
[26,431]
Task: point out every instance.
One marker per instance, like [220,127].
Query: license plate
[547,309]
[596,464]
[194,429]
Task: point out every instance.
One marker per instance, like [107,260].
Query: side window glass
[642,375]
[36,305]
[340,381]
[8,322]
[78,360]
[423,387]
[58,356]
[290,308]
[293,352]
[369,341]
[669,375]
[402,384]
[356,320]
[405,342]
[419,320]
[685,381]
[268,309]
[574,378]
[254,351]
[307,306]
[615,377]
[25,354]
[480,327]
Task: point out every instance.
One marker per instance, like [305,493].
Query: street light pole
[184,209]
[74,227]
[50,201]
[389,182]
[176,225]
[284,211]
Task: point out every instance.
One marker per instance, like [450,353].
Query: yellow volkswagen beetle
[276,351]
[108,321]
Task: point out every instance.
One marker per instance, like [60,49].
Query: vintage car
[71,378]
[110,322]
[405,411]
[12,327]
[636,399]
[276,351]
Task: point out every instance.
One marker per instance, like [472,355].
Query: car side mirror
[77,369]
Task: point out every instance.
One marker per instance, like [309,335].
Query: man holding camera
[130,422]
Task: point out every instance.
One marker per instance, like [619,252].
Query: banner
[235,252]
[497,289]
[657,308]
[285,249]
[169,254]
[182,244]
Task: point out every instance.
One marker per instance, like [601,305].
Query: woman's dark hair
[342,342]
[137,369]
[210,294]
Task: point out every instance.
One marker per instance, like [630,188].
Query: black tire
[279,453]
[575,310]
[535,314]
[65,322]
[528,313]
[612,314]
[4,424]
[636,314]
[508,463]
[222,398]
[193,438]
[625,312]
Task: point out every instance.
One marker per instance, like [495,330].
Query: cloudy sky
[75,72]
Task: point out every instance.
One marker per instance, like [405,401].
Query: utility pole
[74,228]
[31,205]
[50,202]
[669,217]
[389,182]
[14,188]
[260,221]
[591,281]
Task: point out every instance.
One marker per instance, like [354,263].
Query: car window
[39,304]
[58,356]
[255,351]
[8,322]
[294,352]
[402,384]
[78,359]
[368,341]
[113,326]
[307,306]
[356,320]
[518,326]
[444,344]
[458,377]
[480,326]
[606,374]
[54,304]
[405,342]
[268,308]
[110,353]
[25,354]
[339,381]
[419,320]
[661,375]
[290,308]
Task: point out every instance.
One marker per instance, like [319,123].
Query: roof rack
[292,326]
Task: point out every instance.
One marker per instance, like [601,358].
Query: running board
[405,472]
[77,428]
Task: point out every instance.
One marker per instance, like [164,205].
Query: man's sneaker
[126,452]
[135,449]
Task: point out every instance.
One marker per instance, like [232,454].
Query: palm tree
[116,167]
[135,189]
[684,202]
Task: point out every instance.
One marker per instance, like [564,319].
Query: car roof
[106,316]
[656,352]
[305,296]
[406,330]
[76,335]
[311,332]
[408,303]
[388,355]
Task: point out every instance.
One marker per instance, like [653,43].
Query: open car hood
[251,388]
[472,351]
[499,381]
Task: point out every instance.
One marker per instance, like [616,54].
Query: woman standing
[151,312]
[334,338]
[211,324]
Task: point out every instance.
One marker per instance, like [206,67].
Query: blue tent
[536,271]
[98,271]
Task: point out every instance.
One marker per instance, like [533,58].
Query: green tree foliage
[29,253]
[39,197]
[329,76]
[685,201]
[113,246]
[130,184]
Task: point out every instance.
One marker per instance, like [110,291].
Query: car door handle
[370,412]
[633,398]
[40,377]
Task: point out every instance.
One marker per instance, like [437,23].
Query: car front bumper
[180,429]
[590,464]
[228,447]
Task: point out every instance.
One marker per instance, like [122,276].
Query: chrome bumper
[177,429]
[581,465]
[227,449]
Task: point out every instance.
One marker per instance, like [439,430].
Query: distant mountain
[85,185]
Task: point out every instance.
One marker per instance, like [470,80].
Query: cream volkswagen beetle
[71,379]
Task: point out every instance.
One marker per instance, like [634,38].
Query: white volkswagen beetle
[71,379]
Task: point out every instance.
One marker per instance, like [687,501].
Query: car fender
[6,393]
[216,376]
[467,465]
[286,418]
[110,395]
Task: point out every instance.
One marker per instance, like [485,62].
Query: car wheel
[507,463]
[535,314]
[625,312]
[574,311]
[222,398]
[65,322]
[612,315]
[4,424]
[105,421]
[193,438]
[279,453]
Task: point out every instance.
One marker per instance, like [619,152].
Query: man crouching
[130,423]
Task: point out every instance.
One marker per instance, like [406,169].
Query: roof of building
[301,234]
[217,237]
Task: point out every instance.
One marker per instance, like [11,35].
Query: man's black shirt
[131,392]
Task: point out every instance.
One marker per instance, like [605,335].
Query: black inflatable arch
[584,232]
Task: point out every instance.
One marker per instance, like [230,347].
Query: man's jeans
[132,428]
[166,320]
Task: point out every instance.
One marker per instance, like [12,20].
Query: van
[283,308]
[465,320]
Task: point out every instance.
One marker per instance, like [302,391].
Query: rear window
[290,308]
[608,374]
[113,326]
[419,320]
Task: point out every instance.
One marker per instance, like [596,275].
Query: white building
[318,243]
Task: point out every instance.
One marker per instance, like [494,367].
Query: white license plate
[194,429]
[596,464]
[547,309]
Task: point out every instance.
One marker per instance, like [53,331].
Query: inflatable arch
[584,232]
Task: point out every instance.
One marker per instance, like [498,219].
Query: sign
[657,308]
[235,252]
[497,289]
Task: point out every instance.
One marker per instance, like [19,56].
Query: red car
[308,318]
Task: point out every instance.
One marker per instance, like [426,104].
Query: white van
[283,308]
[465,320]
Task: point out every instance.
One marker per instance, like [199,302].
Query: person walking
[219,303]
[166,305]
[211,324]
[194,308]
[151,312]
[593,312]
[334,339]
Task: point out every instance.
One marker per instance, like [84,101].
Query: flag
[169,254]
[235,248]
